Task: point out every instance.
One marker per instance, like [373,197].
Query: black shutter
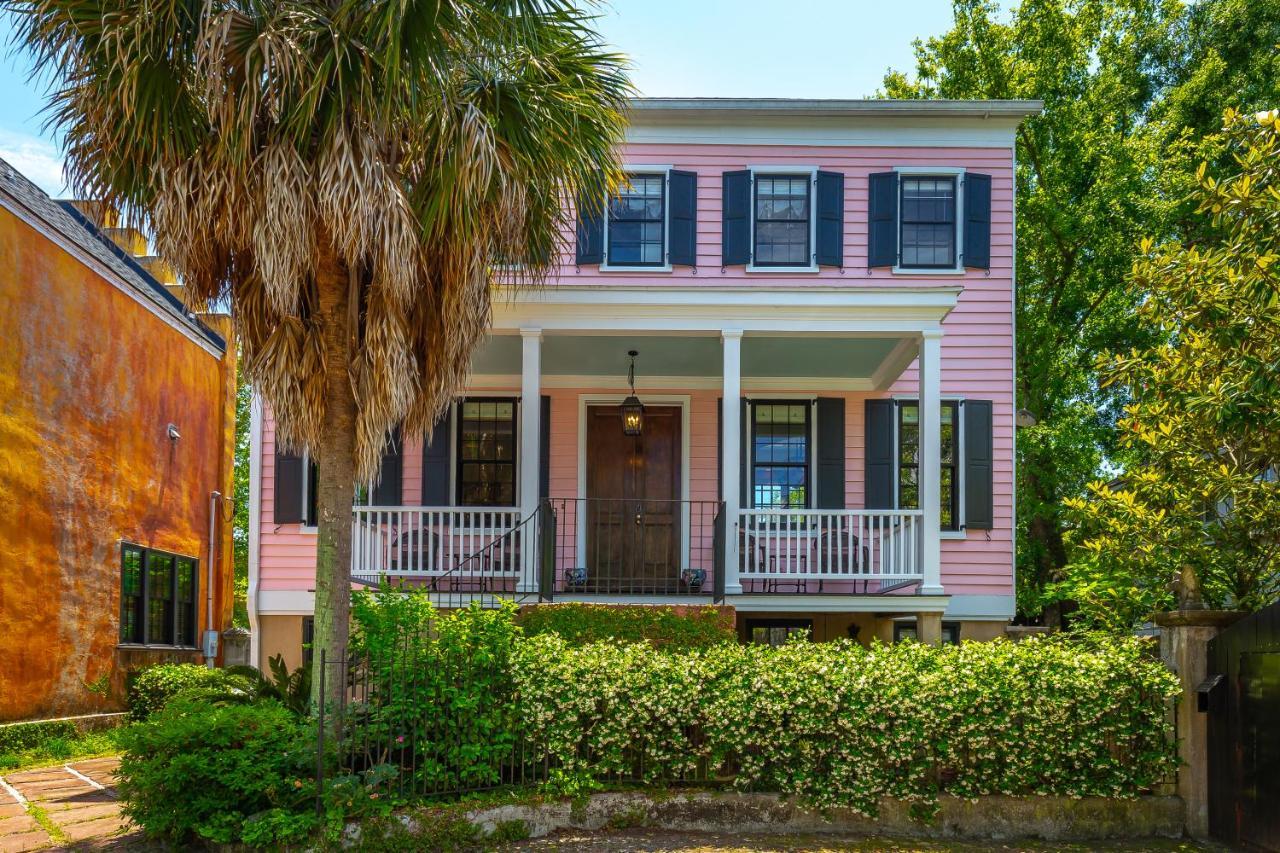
[830,453]
[682,218]
[591,212]
[544,447]
[830,208]
[735,224]
[435,463]
[977,221]
[879,454]
[979,457]
[387,491]
[882,220]
[288,488]
[744,455]
[720,448]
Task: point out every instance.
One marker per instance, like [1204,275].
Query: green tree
[240,495]
[1196,518]
[343,175]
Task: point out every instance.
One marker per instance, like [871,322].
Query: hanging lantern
[632,408]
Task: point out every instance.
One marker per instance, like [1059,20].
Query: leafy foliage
[220,773]
[23,736]
[1195,518]
[666,627]
[151,689]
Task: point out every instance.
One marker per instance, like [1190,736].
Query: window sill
[624,268]
[954,534]
[928,271]
[156,647]
[751,268]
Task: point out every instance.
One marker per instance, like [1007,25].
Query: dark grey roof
[71,224]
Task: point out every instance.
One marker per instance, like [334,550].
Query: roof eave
[841,108]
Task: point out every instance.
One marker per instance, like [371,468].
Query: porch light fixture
[632,408]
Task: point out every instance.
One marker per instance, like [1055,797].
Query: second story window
[928,238]
[637,223]
[487,452]
[782,213]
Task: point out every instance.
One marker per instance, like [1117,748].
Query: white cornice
[504,382]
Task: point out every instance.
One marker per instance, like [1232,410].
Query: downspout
[214,498]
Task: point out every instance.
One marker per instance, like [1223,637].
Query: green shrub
[21,737]
[221,773]
[661,626]
[151,688]
[840,725]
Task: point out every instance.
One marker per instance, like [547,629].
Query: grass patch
[40,816]
[62,747]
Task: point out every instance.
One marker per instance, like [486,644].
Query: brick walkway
[75,803]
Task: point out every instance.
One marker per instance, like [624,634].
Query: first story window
[908,457]
[927,239]
[908,631]
[782,221]
[157,597]
[487,452]
[778,632]
[780,455]
[308,639]
[637,220]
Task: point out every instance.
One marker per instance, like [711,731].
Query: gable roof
[40,211]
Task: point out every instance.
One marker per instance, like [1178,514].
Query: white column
[530,444]
[731,442]
[930,470]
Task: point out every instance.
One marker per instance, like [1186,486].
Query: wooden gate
[1243,695]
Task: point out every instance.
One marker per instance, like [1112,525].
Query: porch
[770,500]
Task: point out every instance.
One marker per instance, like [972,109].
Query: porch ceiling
[763,357]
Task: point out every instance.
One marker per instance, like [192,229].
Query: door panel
[633,509]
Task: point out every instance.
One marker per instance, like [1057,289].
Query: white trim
[799,603]
[286,602]
[988,608]
[839,131]
[956,172]
[763,384]
[255,525]
[1013,381]
[55,235]
[785,169]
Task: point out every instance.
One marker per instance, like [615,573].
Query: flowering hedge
[840,725]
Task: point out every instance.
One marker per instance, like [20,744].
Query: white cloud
[36,158]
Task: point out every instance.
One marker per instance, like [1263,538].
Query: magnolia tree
[1196,520]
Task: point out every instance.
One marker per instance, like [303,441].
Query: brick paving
[78,799]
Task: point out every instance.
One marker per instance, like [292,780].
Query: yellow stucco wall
[89,381]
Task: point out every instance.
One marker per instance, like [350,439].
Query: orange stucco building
[117,427]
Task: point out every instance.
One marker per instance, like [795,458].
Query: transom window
[928,236]
[908,631]
[157,597]
[909,461]
[636,222]
[487,452]
[782,221]
[780,455]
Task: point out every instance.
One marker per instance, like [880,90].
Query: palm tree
[342,175]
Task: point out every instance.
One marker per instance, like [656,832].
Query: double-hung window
[637,222]
[927,239]
[780,454]
[783,212]
[487,452]
[908,458]
[158,594]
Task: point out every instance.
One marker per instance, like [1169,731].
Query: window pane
[928,222]
[780,445]
[159,599]
[131,596]
[782,220]
[187,585]
[636,222]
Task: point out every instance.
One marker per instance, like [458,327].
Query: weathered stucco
[89,381]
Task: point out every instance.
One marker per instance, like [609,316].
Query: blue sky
[717,48]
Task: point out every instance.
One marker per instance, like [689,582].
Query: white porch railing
[447,548]
[783,550]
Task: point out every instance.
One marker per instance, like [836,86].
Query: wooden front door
[633,508]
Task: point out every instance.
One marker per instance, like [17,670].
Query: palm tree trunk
[336,486]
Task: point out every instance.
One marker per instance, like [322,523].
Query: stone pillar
[929,628]
[1184,641]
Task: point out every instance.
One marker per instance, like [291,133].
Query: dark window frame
[661,221]
[460,437]
[142,606]
[807,465]
[777,622]
[950,632]
[808,178]
[308,639]
[953,465]
[954,223]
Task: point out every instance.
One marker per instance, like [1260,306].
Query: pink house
[840,273]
